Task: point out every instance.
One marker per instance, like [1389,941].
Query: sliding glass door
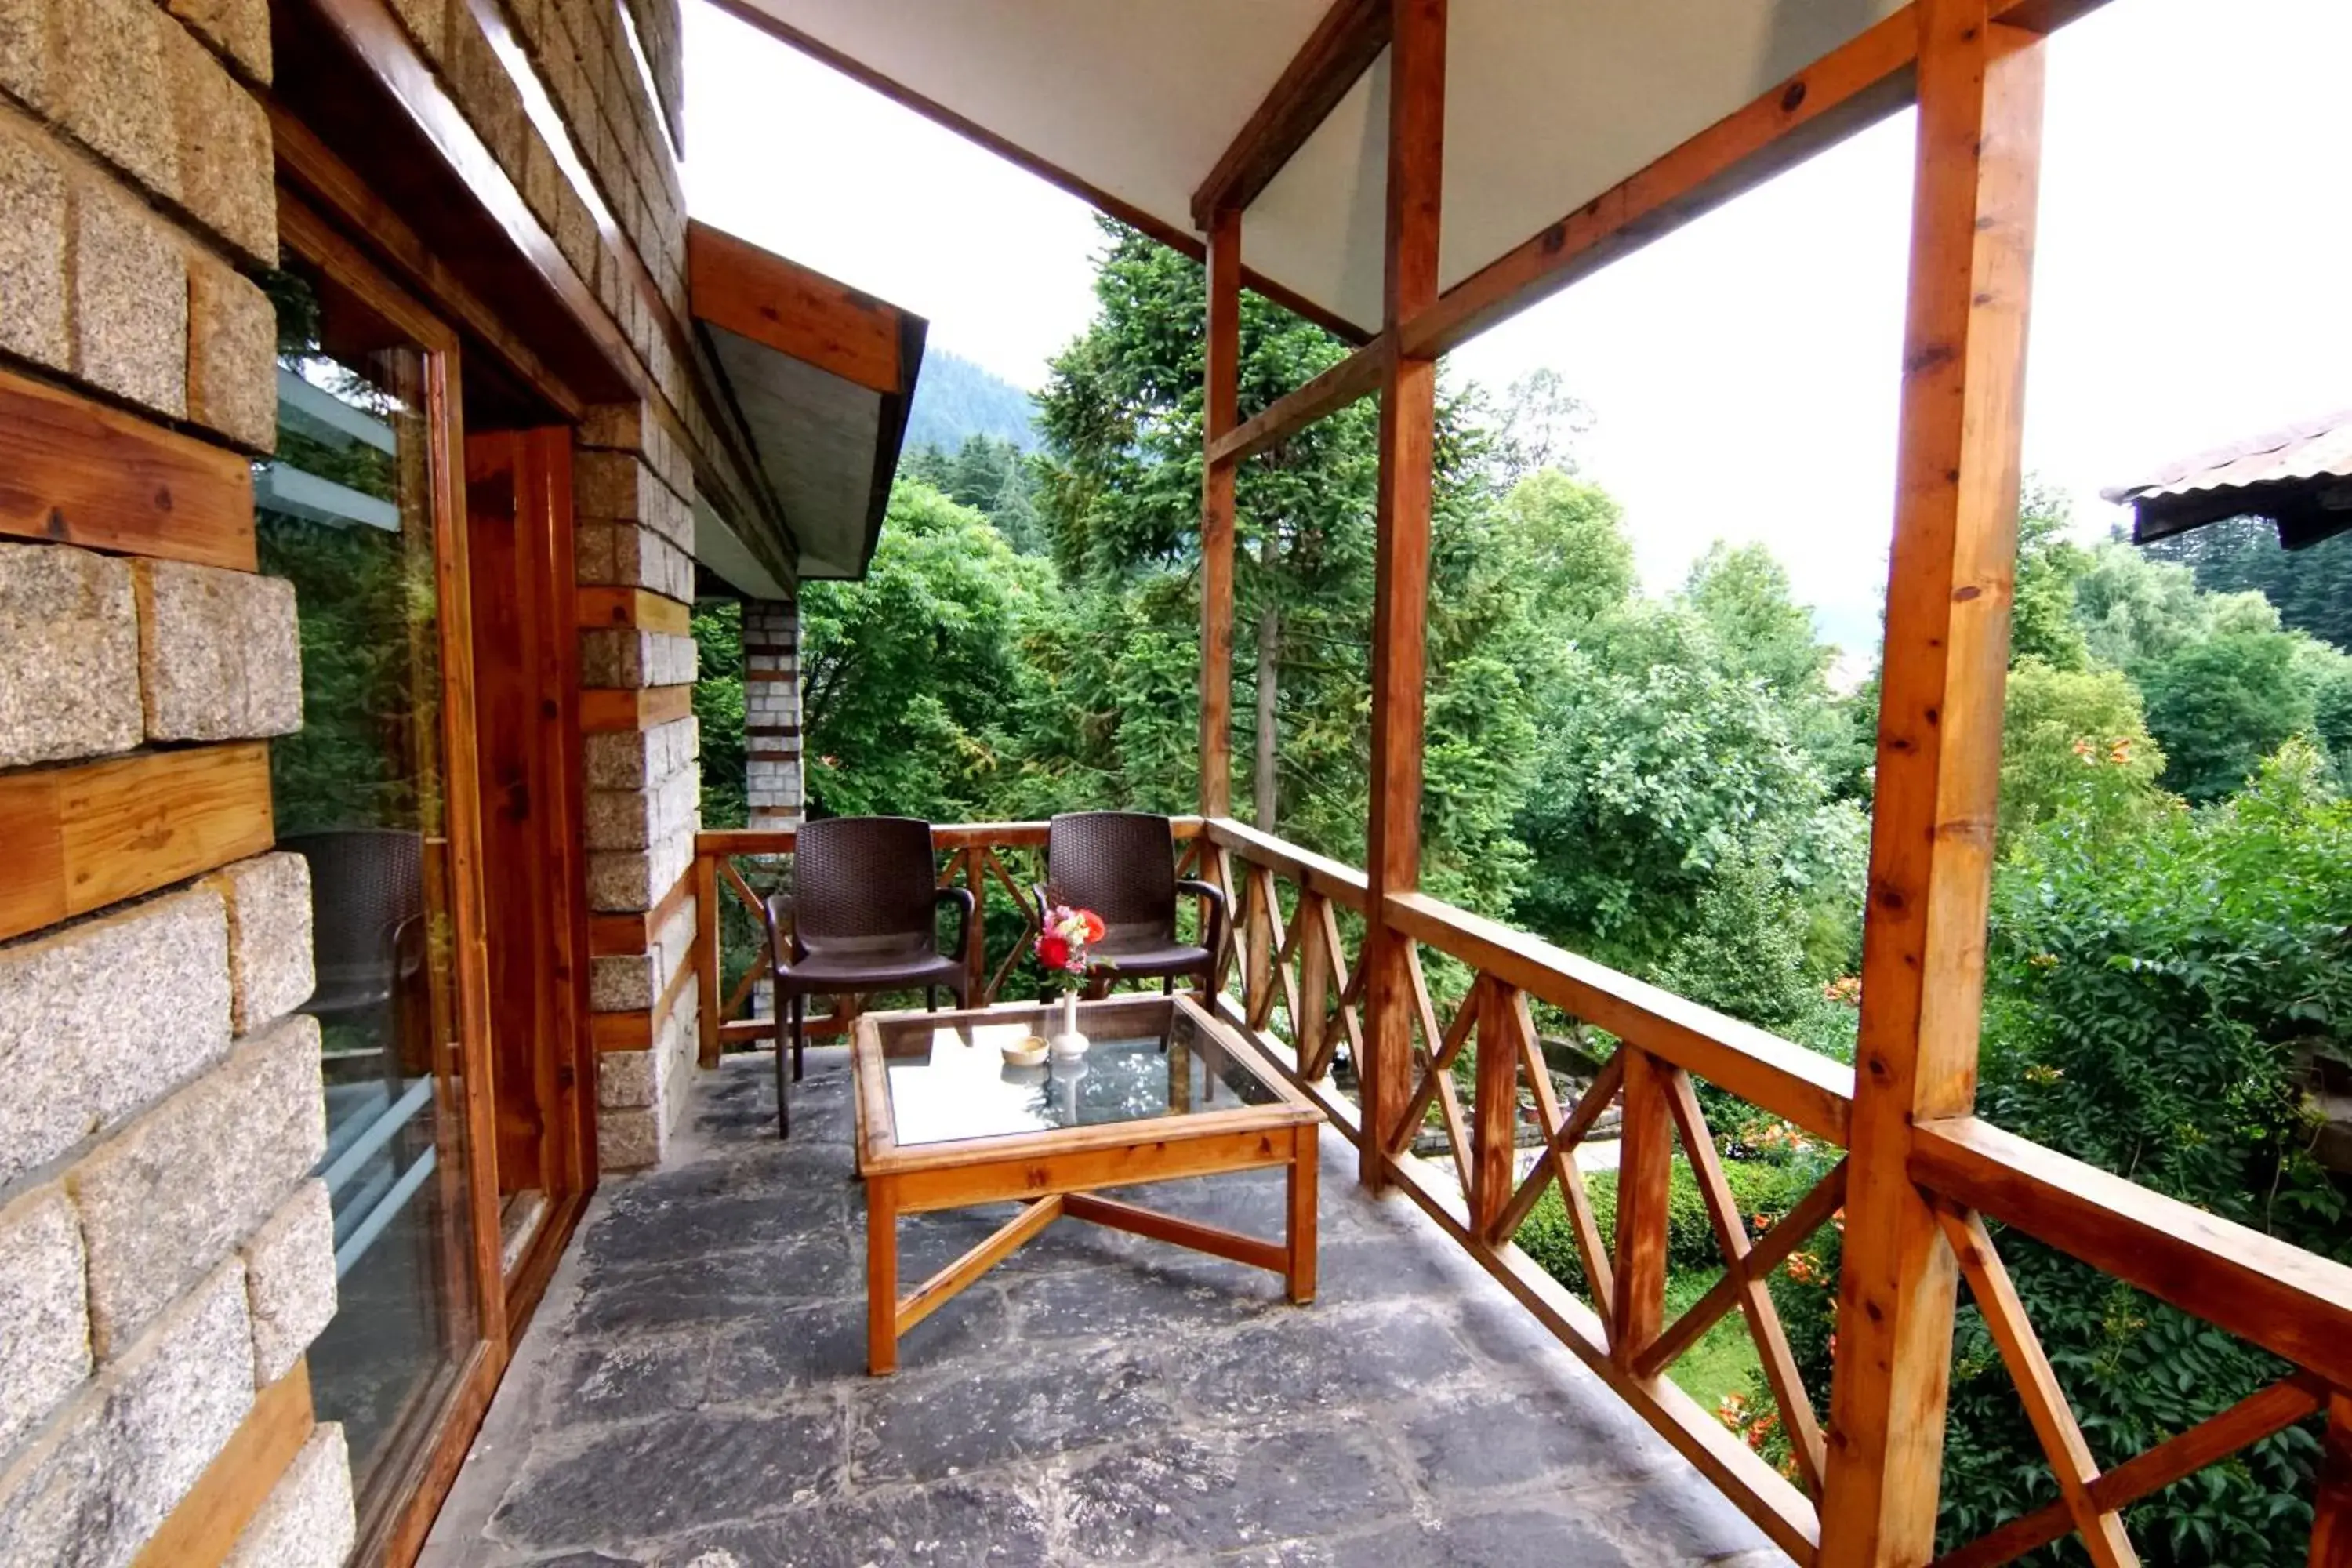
[355,511]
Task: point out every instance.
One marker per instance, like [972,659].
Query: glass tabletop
[1146,1059]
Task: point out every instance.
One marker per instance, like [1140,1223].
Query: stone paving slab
[692,1392]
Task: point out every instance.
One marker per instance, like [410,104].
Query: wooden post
[1220,411]
[2331,1524]
[975,936]
[1494,1118]
[706,959]
[1954,560]
[1645,1157]
[1400,568]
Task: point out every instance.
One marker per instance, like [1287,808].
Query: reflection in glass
[345,514]
[1145,1058]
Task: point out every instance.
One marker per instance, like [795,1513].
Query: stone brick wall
[632,490]
[772,712]
[164,1253]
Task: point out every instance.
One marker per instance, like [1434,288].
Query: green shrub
[1757,1187]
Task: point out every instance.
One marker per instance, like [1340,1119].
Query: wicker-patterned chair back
[1120,864]
[858,880]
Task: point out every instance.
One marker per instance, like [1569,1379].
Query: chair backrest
[856,879]
[364,882]
[1120,864]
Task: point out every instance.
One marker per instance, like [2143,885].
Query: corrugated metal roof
[2300,477]
[2309,450]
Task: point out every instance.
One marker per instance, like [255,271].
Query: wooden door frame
[562,1054]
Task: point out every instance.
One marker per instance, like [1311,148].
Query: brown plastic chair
[863,917]
[1122,866]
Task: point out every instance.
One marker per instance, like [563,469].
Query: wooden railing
[1296,990]
[1300,994]
[999,857]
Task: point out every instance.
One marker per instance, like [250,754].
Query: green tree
[2060,726]
[2310,588]
[2220,705]
[907,675]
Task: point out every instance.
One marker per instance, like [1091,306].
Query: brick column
[632,492]
[772,712]
[771,728]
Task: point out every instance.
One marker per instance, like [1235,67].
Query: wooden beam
[1342,47]
[1862,81]
[81,838]
[1019,157]
[203,1528]
[1953,562]
[641,608]
[1221,360]
[2293,1303]
[1401,562]
[77,472]
[605,710]
[1358,376]
[794,310]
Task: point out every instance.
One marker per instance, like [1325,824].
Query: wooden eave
[818,377]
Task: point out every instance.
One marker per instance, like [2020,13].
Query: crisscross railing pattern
[1293,971]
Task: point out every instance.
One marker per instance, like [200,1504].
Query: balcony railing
[1293,985]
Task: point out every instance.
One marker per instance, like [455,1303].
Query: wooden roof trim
[1339,50]
[794,310]
[1019,157]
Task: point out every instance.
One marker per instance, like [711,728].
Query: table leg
[881,1276]
[1304,1169]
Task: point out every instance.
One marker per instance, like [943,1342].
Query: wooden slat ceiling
[1549,104]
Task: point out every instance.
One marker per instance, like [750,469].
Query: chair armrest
[776,914]
[966,907]
[1214,896]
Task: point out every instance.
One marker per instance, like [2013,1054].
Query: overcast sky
[2193,284]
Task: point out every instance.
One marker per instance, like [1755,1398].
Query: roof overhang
[820,376]
[2299,478]
[1553,110]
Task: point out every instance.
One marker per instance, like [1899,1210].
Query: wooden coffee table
[1165,1091]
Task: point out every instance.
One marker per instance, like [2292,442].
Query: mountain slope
[955,398]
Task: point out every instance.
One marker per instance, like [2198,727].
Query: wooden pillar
[1645,1156]
[1494,1115]
[2331,1524]
[1400,570]
[1953,564]
[1220,412]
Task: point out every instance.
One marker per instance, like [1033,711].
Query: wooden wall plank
[640,608]
[1949,587]
[93,833]
[80,473]
[607,709]
[621,935]
[202,1530]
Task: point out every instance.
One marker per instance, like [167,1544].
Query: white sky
[2193,283]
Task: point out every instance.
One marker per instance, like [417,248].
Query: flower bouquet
[1066,947]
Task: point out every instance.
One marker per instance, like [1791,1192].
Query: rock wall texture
[164,1254]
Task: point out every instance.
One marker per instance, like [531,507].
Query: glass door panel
[347,512]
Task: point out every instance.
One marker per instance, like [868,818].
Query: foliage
[2223,704]
[719,712]
[990,476]
[908,674]
[2060,725]
[2310,588]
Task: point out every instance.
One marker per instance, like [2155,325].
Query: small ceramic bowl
[1025,1052]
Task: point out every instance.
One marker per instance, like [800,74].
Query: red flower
[1053,952]
[1094,925]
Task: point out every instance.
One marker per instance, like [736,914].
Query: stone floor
[692,1392]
